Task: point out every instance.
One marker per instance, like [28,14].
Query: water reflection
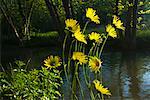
[129,62]
[127,75]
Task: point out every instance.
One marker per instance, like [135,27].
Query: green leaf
[20,63]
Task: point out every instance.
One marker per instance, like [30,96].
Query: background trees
[18,14]
[21,18]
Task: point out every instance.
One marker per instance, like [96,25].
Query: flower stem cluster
[88,59]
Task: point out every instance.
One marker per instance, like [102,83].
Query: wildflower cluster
[88,59]
[92,60]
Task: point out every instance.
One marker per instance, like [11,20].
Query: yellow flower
[90,13]
[52,62]
[111,31]
[95,36]
[95,64]
[79,36]
[101,88]
[118,23]
[72,24]
[80,57]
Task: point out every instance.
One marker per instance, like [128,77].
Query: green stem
[84,71]
[92,95]
[63,54]
[96,76]
[97,52]
[76,98]
[94,52]
[103,45]
[89,76]
[2,68]
[101,76]
[76,46]
[80,86]
[66,73]
[85,77]
[102,96]
[99,57]
[101,82]
[84,48]
[64,44]
[74,78]
[91,50]
[80,47]
[69,56]
[85,27]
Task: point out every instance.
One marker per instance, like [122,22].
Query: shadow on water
[37,55]
[129,62]
[127,75]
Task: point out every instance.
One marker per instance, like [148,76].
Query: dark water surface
[127,75]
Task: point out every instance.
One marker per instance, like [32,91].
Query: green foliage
[60,9]
[104,8]
[31,85]
[143,15]
[143,34]
[47,34]
[41,20]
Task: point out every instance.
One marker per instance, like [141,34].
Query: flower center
[70,28]
[97,63]
[52,63]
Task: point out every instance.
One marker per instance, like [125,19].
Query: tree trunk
[28,20]
[0,35]
[55,18]
[71,9]
[134,22]
[25,16]
[129,45]
[131,21]
[67,4]
[22,14]
[120,32]
[66,7]
[116,10]
[55,12]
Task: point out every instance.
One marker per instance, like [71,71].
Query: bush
[32,85]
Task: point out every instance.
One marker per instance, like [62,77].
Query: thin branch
[10,22]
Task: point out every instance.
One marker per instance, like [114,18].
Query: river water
[127,75]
